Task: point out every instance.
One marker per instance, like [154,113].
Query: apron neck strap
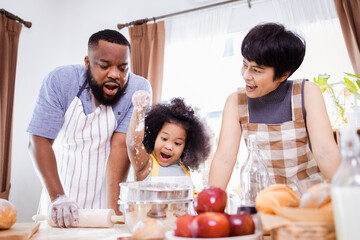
[155,169]
[82,89]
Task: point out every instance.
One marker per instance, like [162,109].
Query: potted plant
[340,93]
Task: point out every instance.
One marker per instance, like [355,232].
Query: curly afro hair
[197,147]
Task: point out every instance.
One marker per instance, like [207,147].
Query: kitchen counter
[117,232]
[45,232]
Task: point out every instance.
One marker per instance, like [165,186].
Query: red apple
[241,224]
[211,225]
[211,199]
[183,226]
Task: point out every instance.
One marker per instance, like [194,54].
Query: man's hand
[64,212]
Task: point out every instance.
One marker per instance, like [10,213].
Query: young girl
[169,141]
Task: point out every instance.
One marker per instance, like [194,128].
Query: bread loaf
[8,214]
[277,195]
[316,196]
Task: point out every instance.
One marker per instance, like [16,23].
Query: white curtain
[295,12]
[317,22]
[194,44]
[326,52]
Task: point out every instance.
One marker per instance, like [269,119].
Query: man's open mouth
[111,88]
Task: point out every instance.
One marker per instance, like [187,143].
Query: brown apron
[283,147]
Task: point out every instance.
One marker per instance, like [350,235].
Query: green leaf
[352,75]
[357,79]
[316,81]
[351,87]
[322,82]
[349,84]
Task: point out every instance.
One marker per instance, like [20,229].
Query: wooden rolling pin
[89,218]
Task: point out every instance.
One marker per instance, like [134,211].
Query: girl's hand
[141,100]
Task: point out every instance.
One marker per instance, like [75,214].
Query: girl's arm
[324,147]
[224,159]
[139,158]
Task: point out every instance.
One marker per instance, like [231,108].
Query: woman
[289,117]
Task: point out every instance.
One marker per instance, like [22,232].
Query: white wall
[59,36]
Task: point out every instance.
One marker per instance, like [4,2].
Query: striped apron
[81,150]
[283,147]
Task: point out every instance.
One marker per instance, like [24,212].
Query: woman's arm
[324,147]
[223,162]
[138,156]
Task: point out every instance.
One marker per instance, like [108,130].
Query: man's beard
[98,92]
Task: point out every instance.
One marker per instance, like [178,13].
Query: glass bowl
[142,200]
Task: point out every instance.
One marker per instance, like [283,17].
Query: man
[78,129]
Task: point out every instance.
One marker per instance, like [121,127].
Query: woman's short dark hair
[198,145]
[107,35]
[270,44]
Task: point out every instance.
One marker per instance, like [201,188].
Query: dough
[8,214]
[277,195]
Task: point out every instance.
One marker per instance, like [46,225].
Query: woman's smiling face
[259,79]
[170,143]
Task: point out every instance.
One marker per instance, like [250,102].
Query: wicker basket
[304,231]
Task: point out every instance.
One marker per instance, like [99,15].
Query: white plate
[256,236]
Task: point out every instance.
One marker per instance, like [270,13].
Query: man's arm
[117,170]
[62,210]
[44,160]
[225,156]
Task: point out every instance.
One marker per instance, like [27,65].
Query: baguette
[277,195]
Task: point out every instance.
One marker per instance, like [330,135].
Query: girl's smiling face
[259,79]
[170,143]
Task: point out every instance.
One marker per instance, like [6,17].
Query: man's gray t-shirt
[61,86]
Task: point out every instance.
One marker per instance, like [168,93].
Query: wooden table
[46,232]
[37,231]
[22,231]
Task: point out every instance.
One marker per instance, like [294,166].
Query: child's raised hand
[141,100]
